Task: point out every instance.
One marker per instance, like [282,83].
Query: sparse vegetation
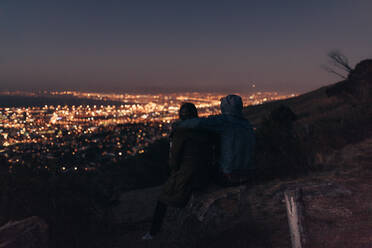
[279,153]
[338,62]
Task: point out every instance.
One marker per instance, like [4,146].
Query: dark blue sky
[178,45]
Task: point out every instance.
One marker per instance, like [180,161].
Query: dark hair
[188,111]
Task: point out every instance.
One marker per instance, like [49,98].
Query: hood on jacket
[232,105]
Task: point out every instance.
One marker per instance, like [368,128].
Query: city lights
[64,136]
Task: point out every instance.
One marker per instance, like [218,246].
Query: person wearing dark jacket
[190,162]
[236,141]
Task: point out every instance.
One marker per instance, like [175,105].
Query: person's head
[232,105]
[188,111]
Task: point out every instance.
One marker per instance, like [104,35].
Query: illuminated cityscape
[73,137]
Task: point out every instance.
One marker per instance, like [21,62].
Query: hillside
[303,105]
[320,140]
[332,130]
[262,220]
[325,120]
[355,92]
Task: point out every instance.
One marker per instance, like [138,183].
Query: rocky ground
[256,215]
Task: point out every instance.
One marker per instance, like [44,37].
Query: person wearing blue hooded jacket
[236,141]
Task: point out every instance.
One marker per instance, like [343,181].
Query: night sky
[178,45]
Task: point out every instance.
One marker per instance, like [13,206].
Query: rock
[357,87]
[208,213]
[28,233]
[225,200]
[362,70]
[328,215]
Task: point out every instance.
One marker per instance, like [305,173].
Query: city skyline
[219,46]
[71,131]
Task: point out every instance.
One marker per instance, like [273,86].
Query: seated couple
[218,148]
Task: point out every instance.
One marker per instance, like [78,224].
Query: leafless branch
[330,70]
[339,61]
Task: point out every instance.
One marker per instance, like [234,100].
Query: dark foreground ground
[264,221]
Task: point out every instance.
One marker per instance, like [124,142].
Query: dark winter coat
[190,162]
[237,139]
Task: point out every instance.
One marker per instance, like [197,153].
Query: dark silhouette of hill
[318,139]
[325,120]
[355,90]
[8,101]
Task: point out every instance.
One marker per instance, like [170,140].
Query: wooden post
[295,213]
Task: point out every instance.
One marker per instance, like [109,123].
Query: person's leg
[158,218]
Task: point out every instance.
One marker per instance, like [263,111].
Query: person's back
[236,138]
[236,143]
[190,157]
[190,164]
